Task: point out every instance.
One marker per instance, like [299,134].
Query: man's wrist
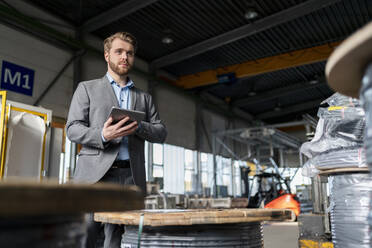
[103,137]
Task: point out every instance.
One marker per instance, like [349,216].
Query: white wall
[46,60]
[178,113]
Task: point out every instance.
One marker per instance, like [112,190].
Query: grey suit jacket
[89,109]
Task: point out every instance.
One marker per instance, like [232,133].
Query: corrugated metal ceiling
[333,23]
[76,11]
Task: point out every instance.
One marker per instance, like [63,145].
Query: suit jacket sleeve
[152,130]
[78,127]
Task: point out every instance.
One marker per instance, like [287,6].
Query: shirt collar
[129,84]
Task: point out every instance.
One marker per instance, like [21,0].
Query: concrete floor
[280,235]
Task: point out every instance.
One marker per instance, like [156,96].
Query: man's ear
[106,54]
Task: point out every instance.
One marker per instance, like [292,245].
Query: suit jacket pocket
[89,151]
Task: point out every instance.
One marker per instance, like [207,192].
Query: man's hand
[112,131]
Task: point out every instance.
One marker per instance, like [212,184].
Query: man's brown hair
[107,43]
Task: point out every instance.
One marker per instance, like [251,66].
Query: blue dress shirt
[123,97]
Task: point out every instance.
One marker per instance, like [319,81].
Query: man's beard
[120,71]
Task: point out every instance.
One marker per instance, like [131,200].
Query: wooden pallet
[226,202]
[195,217]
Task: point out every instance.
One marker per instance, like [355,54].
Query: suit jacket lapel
[109,90]
[133,98]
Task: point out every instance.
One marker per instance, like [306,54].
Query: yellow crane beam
[260,66]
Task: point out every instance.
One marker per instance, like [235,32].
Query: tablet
[119,113]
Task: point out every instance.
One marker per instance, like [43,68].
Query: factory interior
[250,123]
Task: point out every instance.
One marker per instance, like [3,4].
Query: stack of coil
[248,235]
[338,143]
[340,158]
[365,98]
[350,196]
[338,140]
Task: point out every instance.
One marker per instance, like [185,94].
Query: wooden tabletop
[344,170]
[24,198]
[174,217]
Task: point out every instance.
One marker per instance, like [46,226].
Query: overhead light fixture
[250,14]
[227,78]
[277,107]
[167,40]
[252,93]
[313,82]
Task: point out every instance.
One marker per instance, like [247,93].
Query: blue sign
[17,78]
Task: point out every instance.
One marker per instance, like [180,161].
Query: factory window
[157,164]
[237,178]
[296,175]
[147,160]
[224,181]
[206,164]
[190,175]
[204,169]
[174,169]
[226,174]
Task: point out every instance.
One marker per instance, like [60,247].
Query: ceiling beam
[243,31]
[279,92]
[116,13]
[255,67]
[291,109]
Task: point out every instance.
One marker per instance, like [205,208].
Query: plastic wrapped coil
[335,133]
[349,210]
[338,99]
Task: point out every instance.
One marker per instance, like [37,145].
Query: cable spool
[350,196]
[349,71]
[48,215]
[43,231]
[194,227]
[247,235]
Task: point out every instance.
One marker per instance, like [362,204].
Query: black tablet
[119,113]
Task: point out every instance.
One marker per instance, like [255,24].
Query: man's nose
[124,55]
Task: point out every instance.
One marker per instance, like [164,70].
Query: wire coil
[247,235]
[350,196]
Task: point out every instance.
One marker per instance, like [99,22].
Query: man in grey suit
[112,152]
